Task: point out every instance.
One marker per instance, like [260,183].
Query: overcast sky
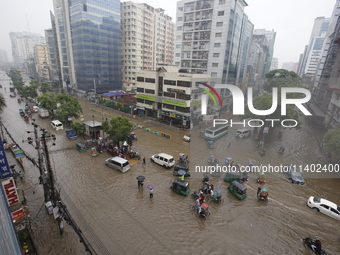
[291,19]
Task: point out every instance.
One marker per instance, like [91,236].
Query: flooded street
[117,218]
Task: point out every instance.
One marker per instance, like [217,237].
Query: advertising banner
[4,168]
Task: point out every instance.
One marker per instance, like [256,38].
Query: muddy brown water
[117,218]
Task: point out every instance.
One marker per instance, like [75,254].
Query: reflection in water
[117,218]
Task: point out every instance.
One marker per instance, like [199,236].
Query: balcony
[335,116]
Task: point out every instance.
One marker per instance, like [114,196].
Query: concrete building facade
[148,40]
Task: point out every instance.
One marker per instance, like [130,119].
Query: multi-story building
[52,56]
[275,64]
[325,103]
[23,47]
[3,57]
[270,35]
[41,60]
[148,40]
[89,44]
[169,94]
[308,65]
[212,37]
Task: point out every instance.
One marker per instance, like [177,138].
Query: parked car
[324,206]
[118,163]
[35,108]
[163,159]
[71,134]
[293,174]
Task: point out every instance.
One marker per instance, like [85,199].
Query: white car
[324,206]
[35,108]
[163,159]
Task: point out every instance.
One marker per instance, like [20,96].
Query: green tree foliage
[69,106]
[78,127]
[45,87]
[48,101]
[2,102]
[281,78]
[118,129]
[264,102]
[332,140]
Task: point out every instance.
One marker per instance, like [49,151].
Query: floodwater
[117,218]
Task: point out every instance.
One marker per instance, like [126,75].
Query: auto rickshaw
[262,194]
[21,112]
[232,176]
[238,190]
[180,187]
[181,169]
[81,147]
[261,179]
[94,152]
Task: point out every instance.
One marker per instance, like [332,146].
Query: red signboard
[18,215]
[10,191]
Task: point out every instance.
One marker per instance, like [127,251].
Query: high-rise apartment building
[89,44]
[3,57]
[313,53]
[270,35]
[41,60]
[148,40]
[23,46]
[212,37]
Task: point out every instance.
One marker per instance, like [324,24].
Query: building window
[167,94]
[214,65]
[140,89]
[179,18]
[170,82]
[178,46]
[218,35]
[213,74]
[183,109]
[219,24]
[184,84]
[150,80]
[179,28]
[215,55]
[169,106]
[178,54]
[150,91]
[217,45]
[183,96]
[221,2]
[220,13]
[140,79]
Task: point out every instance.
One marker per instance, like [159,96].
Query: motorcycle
[308,243]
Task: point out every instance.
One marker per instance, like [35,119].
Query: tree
[69,106]
[264,102]
[79,128]
[45,87]
[48,101]
[281,78]
[2,102]
[332,140]
[118,129]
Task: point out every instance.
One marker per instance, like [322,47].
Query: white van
[57,125]
[163,159]
[243,132]
[118,163]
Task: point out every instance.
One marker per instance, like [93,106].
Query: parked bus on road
[213,133]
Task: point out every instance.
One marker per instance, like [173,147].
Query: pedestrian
[144,163]
[229,144]
[139,184]
[151,193]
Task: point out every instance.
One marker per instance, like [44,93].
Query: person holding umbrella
[150,187]
[140,180]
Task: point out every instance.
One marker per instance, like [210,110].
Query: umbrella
[264,189]
[150,186]
[251,163]
[181,172]
[218,191]
[229,158]
[181,154]
[206,175]
[140,178]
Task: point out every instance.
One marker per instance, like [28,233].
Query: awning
[316,111]
[114,94]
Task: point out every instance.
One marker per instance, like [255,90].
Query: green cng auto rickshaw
[238,190]
[81,147]
[232,176]
[181,169]
[180,187]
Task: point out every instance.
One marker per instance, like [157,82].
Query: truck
[71,134]
[43,113]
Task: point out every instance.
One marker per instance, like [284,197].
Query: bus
[213,133]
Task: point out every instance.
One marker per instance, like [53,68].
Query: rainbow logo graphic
[204,97]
